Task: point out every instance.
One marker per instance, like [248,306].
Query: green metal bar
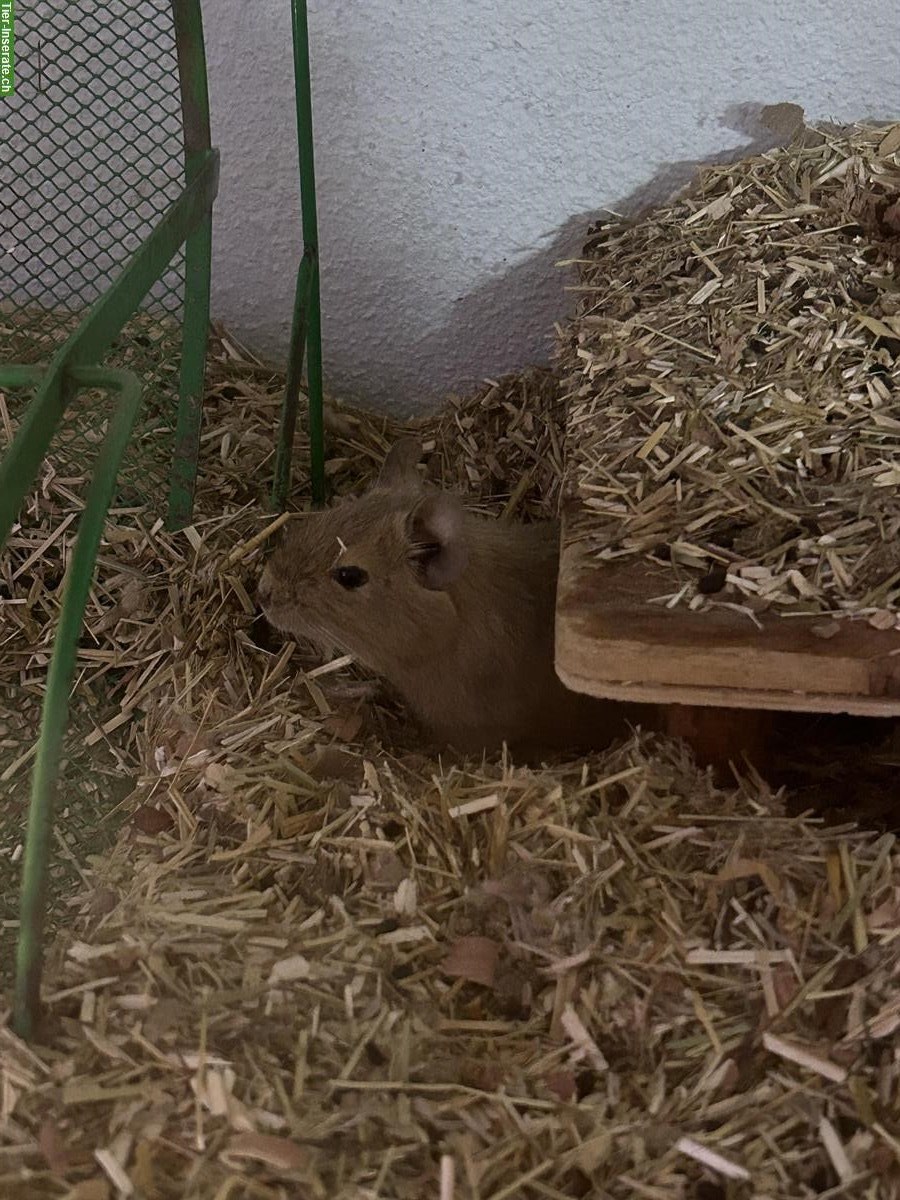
[285,443]
[17,378]
[35,870]
[316,394]
[95,334]
[198,256]
[312,321]
[303,98]
[22,459]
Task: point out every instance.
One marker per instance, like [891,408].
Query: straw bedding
[316,963]
[734,369]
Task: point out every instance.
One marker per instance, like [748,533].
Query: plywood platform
[610,642]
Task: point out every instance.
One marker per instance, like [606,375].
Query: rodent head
[370,576]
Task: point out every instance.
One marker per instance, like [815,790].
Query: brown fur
[457,613]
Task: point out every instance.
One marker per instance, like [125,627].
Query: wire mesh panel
[92,156]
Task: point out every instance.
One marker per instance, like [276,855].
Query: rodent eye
[350,577]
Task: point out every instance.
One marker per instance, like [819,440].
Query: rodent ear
[437,539]
[400,463]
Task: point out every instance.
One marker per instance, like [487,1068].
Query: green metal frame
[306,330]
[74,367]
[36,866]
[96,333]
[186,222]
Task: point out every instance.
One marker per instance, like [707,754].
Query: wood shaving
[733,378]
[260,874]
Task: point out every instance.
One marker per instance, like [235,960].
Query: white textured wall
[463,144]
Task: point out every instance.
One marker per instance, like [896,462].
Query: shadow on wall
[508,322]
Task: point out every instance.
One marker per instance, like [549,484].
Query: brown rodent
[455,610]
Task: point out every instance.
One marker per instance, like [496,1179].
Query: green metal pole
[198,255]
[285,444]
[17,378]
[35,870]
[316,394]
[312,323]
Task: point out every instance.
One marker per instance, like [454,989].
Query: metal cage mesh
[92,156]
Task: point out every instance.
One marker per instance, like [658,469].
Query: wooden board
[610,642]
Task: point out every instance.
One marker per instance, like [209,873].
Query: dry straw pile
[316,964]
[734,371]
